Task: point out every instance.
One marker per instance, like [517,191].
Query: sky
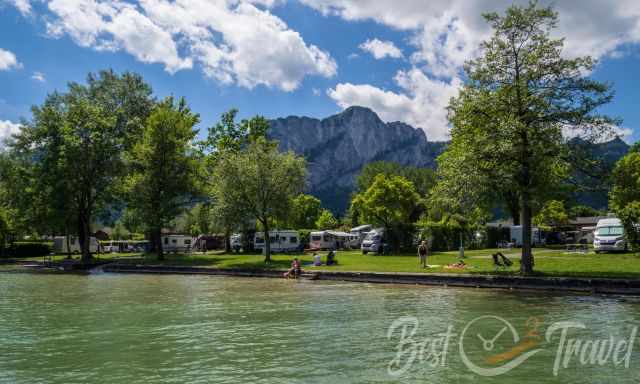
[401,58]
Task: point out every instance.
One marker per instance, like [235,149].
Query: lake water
[130,329]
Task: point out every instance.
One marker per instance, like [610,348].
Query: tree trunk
[157,235]
[526,263]
[267,242]
[68,240]
[513,206]
[84,237]
[227,241]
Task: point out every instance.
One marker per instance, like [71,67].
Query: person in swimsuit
[422,253]
[295,269]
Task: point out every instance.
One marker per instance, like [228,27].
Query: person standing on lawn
[423,250]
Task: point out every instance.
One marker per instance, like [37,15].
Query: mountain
[337,147]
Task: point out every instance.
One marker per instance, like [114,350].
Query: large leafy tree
[305,211]
[391,202]
[552,214]
[260,181]
[71,154]
[326,220]
[624,198]
[422,178]
[508,119]
[165,168]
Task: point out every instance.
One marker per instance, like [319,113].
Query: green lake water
[109,328]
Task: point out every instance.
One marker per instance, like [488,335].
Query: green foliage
[630,217]
[584,211]
[393,203]
[423,179]
[258,181]
[305,211]
[326,220]
[29,249]
[624,197]
[626,182]
[165,168]
[508,119]
[70,156]
[552,214]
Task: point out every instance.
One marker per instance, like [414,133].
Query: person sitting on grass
[317,260]
[295,269]
[331,258]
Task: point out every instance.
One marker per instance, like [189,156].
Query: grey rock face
[337,147]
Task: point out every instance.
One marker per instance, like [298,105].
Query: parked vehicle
[236,242]
[124,246]
[609,236]
[329,240]
[177,243]
[60,245]
[537,238]
[358,234]
[281,241]
[374,242]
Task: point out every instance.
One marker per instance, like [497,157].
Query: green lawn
[552,262]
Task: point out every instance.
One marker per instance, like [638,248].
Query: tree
[583,211]
[391,202]
[228,136]
[552,214]
[71,154]
[422,178]
[165,168]
[260,181]
[326,220]
[305,211]
[508,119]
[624,198]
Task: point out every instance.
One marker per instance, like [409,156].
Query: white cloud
[422,102]
[38,76]
[234,41]
[446,33]
[7,128]
[381,49]
[8,61]
[24,6]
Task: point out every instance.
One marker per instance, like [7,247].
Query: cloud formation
[38,76]
[7,129]
[446,33]
[8,60]
[381,49]
[233,41]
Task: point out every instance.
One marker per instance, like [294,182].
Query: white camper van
[537,239]
[358,234]
[329,240]
[281,241]
[177,243]
[609,236]
[60,245]
[373,242]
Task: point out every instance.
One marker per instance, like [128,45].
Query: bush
[29,249]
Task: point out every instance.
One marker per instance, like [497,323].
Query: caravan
[60,245]
[329,240]
[609,236]
[281,241]
[358,234]
[177,243]
[537,239]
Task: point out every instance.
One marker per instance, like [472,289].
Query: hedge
[28,249]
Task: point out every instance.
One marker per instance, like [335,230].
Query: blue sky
[277,58]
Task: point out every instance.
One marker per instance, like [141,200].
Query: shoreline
[540,283]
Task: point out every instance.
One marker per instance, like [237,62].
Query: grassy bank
[548,262]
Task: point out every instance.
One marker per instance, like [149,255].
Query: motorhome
[609,236]
[537,238]
[329,240]
[124,246]
[177,243]
[60,245]
[373,242]
[281,241]
[236,242]
[358,234]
